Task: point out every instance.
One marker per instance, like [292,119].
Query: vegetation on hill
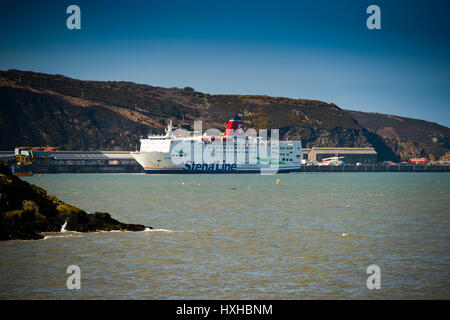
[407,137]
[39,109]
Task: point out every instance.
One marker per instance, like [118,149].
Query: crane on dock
[26,155]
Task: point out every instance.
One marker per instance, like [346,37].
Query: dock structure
[7,156]
[376,168]
[87,162]
[364,156]
[122,162]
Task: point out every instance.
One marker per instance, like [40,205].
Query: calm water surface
[243,237]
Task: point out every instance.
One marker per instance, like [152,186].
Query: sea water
[310,236]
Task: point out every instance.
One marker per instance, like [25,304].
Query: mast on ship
[169,130]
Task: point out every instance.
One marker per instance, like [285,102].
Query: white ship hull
[191,153]
[161,162]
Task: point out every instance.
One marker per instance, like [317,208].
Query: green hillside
[40,109]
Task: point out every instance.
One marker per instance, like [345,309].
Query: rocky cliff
[26,210]
[406,137]
[39,109]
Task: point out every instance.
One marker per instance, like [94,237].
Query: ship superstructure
[234,151]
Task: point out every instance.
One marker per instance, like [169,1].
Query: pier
[136,168]
[123,162]
[377,168]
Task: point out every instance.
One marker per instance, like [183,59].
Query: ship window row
[247,150]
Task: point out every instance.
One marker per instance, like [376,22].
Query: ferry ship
[230,152]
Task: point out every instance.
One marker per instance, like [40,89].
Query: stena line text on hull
[233,151]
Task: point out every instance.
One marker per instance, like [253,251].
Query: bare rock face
[26,210]
[42,109]
[320,137]
[407,138]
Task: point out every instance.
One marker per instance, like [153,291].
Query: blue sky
[299,49]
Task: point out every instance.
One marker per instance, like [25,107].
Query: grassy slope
[41,109]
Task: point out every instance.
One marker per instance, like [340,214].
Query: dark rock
[404,138]
[44,109]
[26,210]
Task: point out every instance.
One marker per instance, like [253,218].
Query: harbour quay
[375,168]
[55,161]
[79,162]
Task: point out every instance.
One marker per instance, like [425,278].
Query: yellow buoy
[278,181]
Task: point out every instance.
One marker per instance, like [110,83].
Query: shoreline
[26,211]
[344,168]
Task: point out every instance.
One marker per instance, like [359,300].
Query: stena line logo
[217,152]
[205,167]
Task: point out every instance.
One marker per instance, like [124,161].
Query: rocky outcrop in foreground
[38,109]
[26,210]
